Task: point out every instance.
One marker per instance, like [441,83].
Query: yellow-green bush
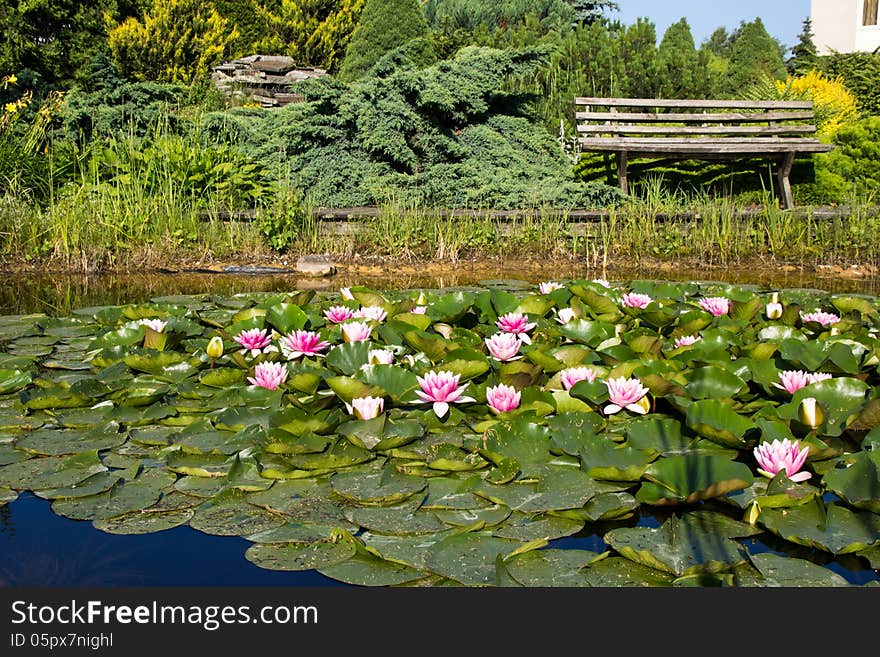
[177,42]
[834,105]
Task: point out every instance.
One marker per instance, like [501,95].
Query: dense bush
[853,168]
[860,72]
[446,135]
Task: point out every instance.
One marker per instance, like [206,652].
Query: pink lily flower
[442,389]
[565,315]
[255,341]
[635,300]
[792,380]
[338,314]
[820,317]
[602,282]
[419,310]
[502,398]
[504,346]
[548,286]
[516,323]
[782,455]
[156,324]
[715,306]
[376,313]
[269,375]
[302,343]
[380,357]
[685,341]
[366,408]
[356,331]
[625,394]
[572,375]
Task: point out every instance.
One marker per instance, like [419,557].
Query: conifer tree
[385,25]
[804,54]
[755,56]
[682,72]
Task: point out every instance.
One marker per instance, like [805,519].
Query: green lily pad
[51,471]
[859,483]
[140,522]
[13,380]
[469,558]
[57,442]
[382,488]
[677,547]
[620,572]
[833,529]
[719,423]
[399,519]
[524,527]
[9,454]
[99,483]
[789,571]
[296,532]
[7,495]
[300,556]
[230,514]
[690,478]
[123,497]
[552,567]
[712,382]
[488,516]
[603,459]
[367,569]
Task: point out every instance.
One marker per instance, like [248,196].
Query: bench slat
[704,146]
[695,117]
[696,130]
[696,103]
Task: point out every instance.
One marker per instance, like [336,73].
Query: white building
[845,25]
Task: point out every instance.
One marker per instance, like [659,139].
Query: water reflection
[62,293]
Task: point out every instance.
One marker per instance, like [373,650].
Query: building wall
[837,25]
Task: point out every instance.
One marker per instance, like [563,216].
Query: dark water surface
[40,548]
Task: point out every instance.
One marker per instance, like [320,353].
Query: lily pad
[790,571]
[383,488]
[229,514]
[552,567]
[834,528]
[523,527]
[51,471]
[469,558]
[300,556]
[144,522]
[690,478]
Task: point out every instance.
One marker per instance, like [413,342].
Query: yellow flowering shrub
[833,104]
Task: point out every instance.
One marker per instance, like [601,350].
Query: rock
[315,265]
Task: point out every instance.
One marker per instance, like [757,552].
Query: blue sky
[783,18]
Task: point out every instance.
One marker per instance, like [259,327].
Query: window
[869,12]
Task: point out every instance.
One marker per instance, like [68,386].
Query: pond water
[38,547]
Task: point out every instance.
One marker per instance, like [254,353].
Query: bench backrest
[653,117]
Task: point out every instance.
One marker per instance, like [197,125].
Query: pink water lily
[441,388]
[156,324]
[516,323]
[548,286]
[269,375]
[380,357]
[602,282]
[366,408]
[565,315]
[504,346]
[685,341]
[625,394]
[792,380]
[302,343]
[572,375]
[376,313]
[502,398]
[715,306]
[338,314]
[782,455]
[356,331]
[419,310]
[635,300]
[255,341]
[820,317]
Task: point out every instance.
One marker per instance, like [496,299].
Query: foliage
[682,71]
[859,72]
[754,56]
[384,26]
[313,32]
[804,56]
[473,15]
[446,135]
[177,42]
[853,168]
[47,42]
[833,104]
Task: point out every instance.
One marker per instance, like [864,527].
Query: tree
[589,11]
[47,42]
[384,26]
[804,55]
[755,56]
[638,52]
[177,42]
[683,73]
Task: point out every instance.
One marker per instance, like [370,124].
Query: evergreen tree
[682,72]
[755,56]
[719,43]
[638,52]
[385,25]
[804,55]
[589,11]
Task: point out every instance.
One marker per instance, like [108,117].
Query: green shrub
[860,72]
[850,170]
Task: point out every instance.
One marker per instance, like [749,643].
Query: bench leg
[621,172]
[784,183]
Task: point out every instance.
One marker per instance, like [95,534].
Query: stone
[315,265]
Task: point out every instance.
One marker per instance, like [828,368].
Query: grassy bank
[122,228]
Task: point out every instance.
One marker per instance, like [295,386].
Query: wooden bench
[700,130]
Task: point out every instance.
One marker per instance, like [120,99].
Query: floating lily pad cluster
[457,437]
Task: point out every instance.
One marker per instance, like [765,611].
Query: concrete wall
[837,25]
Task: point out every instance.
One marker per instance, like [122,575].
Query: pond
[131,453]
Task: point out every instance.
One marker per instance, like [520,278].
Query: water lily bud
[773,310]
[810,413]
[752,513]
[215,347]
[645,403]
[421,300]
